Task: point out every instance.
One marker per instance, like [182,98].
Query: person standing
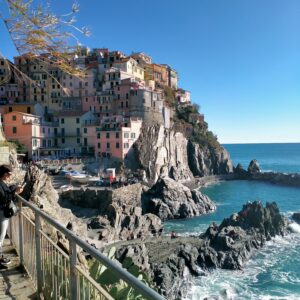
[7,194]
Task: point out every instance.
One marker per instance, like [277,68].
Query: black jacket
[7,193]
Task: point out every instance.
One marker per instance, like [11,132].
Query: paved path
[14,282]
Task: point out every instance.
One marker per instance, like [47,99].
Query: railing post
[73,271]
[10,231]
[21,237]
[38,255]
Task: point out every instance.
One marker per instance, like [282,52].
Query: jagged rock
[205,161]
[39,190]
[227,246]
[169,199]
[240,170]
[138,254]
[254,167]
[296,216]
[235,238]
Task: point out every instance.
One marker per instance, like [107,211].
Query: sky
[240,59]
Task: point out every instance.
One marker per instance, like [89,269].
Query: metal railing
[55,273]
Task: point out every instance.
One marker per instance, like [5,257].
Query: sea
[273,272]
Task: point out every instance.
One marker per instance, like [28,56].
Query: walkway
[14,282]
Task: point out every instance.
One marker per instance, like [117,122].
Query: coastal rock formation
[205,161]
[171,262]
[39,190]
[254,167]
[296,216]
[169,199]
[165,152]
[231,243]
[254,173]
[120,215]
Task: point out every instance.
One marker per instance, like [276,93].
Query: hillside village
[51,114]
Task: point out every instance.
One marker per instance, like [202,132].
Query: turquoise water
[272,157]
[274,271]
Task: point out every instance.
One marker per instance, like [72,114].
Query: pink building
[26,129]
[115,136]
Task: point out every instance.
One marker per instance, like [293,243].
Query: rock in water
[296,216]
[254,167]
[169,199]
[231,243]
[226,246]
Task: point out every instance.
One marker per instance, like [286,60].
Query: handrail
[75,240]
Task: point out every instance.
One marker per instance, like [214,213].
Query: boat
[69,174]
[66,188]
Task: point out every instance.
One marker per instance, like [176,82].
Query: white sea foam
[266,265]
[294,227]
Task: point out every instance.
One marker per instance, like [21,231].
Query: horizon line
[248,143]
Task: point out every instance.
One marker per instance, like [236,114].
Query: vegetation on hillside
[189,121]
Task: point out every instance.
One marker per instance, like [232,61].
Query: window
[62,140]
[85,141]
[85,130]
[62,121]
[77,120]
[14,118]
[126,95]
[77,131]
[98,135]
[107,135]
[78,140]
[10,109]
[126,103]
[99,145]
[43,129]
[126,135]
[107,145]
[117,145]
[132,135]
[122,104]
[14,129]
[117,135]
[49,143]
[62,131]
[126,145]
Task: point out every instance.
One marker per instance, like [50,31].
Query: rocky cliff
[162,152]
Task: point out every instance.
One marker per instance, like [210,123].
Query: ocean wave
[294,227]
[267,275]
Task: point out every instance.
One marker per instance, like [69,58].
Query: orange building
[24,128]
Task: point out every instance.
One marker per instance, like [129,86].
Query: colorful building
[115,136]
[24,128]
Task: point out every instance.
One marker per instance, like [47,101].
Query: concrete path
[14,282]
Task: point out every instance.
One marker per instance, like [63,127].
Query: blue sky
[239,58]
